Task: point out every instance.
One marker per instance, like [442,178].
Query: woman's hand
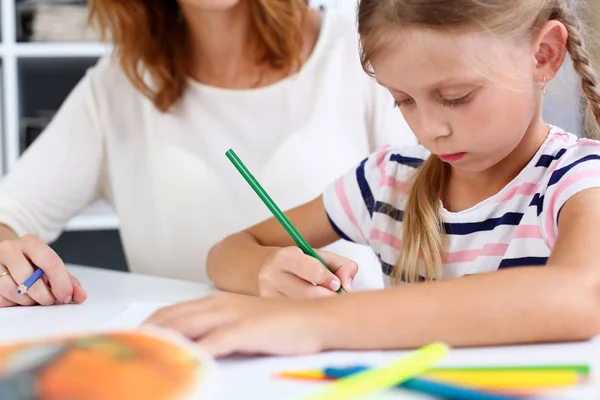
[229,323]
[289,272]
[18,259]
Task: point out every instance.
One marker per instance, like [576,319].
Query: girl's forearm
[233,264]
[515,306]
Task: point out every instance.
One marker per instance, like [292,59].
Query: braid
[582,65]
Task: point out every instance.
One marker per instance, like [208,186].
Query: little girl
[491,188]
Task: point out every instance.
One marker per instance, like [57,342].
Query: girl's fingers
[196,324]
[312,271]
[297,288]
[345,269]
[222,342]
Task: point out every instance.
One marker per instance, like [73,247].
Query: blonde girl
[493,192]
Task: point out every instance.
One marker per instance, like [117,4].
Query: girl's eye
[456,102]
[402,103]
[446,102]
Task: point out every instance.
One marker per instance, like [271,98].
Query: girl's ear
[550,50]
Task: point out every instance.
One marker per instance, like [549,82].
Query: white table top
[116,299]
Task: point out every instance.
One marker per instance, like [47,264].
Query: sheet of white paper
[34,322]
[134,315]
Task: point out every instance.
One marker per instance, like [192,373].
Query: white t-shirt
[166,174]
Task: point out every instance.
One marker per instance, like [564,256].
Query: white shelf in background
[54,50]
[99,216]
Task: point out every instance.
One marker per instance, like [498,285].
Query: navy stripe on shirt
[522,262]
[546,159]
[559,173]
[466,228]
[385,267]
[537,201]
[408,161]
[558,215]
[389,210]
[363,185]
[337,230]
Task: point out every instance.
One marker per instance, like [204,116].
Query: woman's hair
[150,36]
[423,238]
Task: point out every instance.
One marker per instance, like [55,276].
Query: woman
[147,129]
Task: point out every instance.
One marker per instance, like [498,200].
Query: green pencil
[275,210]
[577,368]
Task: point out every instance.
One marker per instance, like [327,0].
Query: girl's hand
[229,323]
[291,273]
[18,259]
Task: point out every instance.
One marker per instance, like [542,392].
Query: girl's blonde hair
[423,232]
[153,33]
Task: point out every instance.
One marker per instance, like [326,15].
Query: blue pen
[438,389]
[24,287]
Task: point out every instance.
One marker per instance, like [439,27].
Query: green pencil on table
[275,210]
[375,380]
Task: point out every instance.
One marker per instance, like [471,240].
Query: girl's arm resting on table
[537,304]
[557,302]
[234,263]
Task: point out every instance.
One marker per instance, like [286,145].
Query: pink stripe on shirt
[388,180]
[340,191]
[490,249]
[525,189]
[586,143]
[381,161]
[401,187]
[528,232]
[558,189]
[562,136]
[386,238]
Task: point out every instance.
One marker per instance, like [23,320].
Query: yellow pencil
[378,379]
[508,379]
[310,375]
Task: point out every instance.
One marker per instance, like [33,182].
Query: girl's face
[469,97]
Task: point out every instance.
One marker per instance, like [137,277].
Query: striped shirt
[516,227]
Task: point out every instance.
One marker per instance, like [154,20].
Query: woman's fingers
[42,256]
[20,269]
[8,291]
[6,303]
[79,294]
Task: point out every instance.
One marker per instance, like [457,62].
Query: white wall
[348,6]
[561,106]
